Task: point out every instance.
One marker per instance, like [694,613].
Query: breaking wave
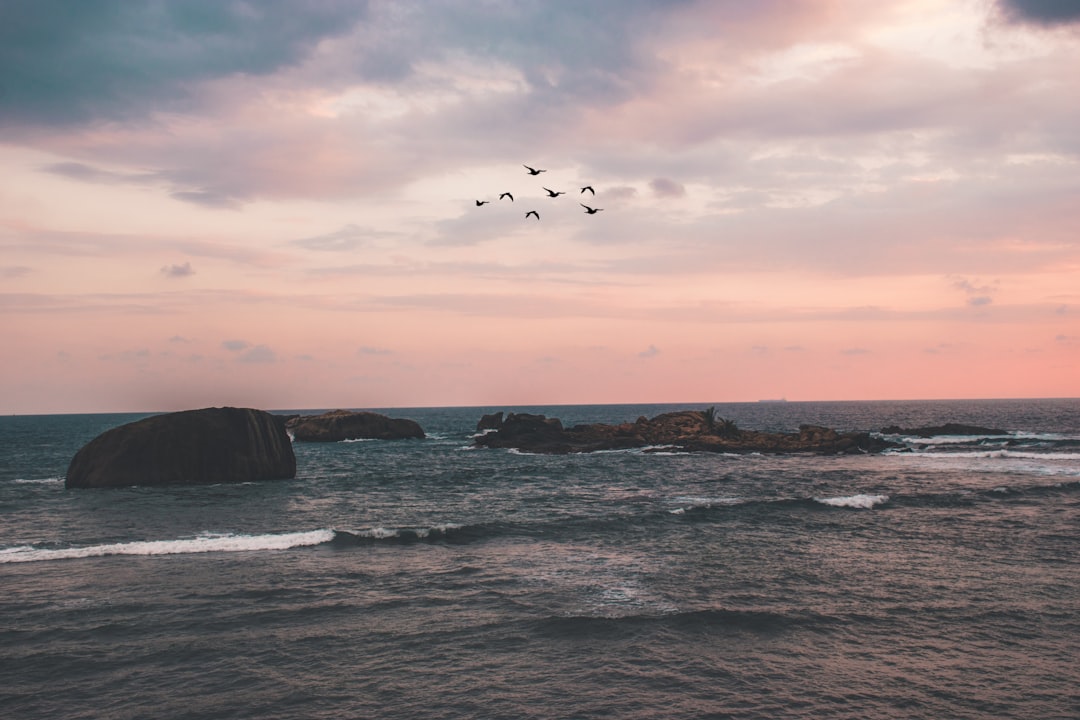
[200,544]
[860,502]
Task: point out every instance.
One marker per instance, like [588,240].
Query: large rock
[194,447]
[688,430]
[339,425]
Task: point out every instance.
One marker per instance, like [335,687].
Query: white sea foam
[382,533]
[39,481]
[951,439]
[861,502]
[708,502]
[201,544]
[996,453]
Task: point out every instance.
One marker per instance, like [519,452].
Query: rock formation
[339,425]
[194,447]
[687,430]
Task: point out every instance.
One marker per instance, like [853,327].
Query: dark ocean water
[426,579]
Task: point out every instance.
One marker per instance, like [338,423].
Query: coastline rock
[946,429]
[687,430]
[194,447]
[493,421]
[339,425]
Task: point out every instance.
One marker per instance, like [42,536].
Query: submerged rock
[194,447]
[687,430]
[339,425]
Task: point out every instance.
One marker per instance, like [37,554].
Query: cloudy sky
[273,203]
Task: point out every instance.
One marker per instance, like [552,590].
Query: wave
[199,544]
[993,453]
[860,502]
[39,481]
[691,621]
[446,533]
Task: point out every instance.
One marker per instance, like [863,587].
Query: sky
[273,204]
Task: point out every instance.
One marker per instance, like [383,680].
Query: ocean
[429,579]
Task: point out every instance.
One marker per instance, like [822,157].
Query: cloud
[179,339]
[235,345]
[368,350]
[855,351]
[649,352]
[349,237]
[1041,12]
[621,192]
[10,272]
[116,60]
[978,295]
[89,173]
[665,188]
[178,271]
[207,199]
[260,354]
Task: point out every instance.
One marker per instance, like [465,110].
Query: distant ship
[773,400]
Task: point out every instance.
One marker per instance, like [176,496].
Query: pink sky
[253,204]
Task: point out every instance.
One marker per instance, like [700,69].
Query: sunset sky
[273,204]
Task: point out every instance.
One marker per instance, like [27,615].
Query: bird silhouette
[589,210]
[507,195]
[482,202]
[533,212]
[589,188]
[533,171]
[552,193]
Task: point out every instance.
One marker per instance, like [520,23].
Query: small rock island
[339,425]
[692,430]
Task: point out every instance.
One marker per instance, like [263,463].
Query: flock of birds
[550,193]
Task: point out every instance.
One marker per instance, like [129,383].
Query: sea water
[428,578]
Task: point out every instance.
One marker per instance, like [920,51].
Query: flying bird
[507,195]
[533,212]
[533,171]
[482,202]
[552,193]
[589,188]
[589,210]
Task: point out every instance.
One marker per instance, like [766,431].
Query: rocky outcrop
[687,430]
[194,447]
[946,429]
[339,425]
[493,421]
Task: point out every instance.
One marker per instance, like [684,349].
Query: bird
[589,210]
[552,193]
[533,171]
[507,195]
[589,188]
[482,202]
[533,212]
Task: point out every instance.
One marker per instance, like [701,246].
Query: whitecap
[207,542]
[708,502]
[861,502]
[39,481]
